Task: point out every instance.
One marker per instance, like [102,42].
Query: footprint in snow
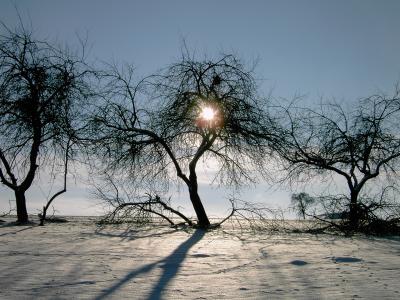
[200,255]
[299,262]
[345,259]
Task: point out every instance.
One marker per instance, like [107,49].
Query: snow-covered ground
[78,260]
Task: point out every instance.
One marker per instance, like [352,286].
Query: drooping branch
[3,179]
[63,190]
[153,205]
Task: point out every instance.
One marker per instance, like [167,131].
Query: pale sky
[335,49]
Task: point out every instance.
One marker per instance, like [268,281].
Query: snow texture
[79,260]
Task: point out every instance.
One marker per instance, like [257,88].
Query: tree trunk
[354,216]
[202,218]
[22,214]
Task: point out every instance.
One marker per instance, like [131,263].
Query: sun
[207,113]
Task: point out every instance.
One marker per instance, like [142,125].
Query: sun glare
[207,113]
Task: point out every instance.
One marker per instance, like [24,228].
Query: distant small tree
[301,203]
[193,110]
[357,145]
[41,88]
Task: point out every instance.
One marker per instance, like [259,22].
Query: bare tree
[41,88]
[358,145]
[301,203]
[193,110]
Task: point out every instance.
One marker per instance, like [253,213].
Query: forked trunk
[22,214]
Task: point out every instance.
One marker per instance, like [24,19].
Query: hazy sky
[342,49]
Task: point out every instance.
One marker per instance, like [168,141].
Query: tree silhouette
[358,145]
[193,110]
[301,202]
[40,88]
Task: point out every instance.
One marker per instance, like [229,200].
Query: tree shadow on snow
[13,226]
[134,234]
[169,265]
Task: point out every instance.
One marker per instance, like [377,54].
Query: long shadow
[170,266]
[130,234]
[15,232]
